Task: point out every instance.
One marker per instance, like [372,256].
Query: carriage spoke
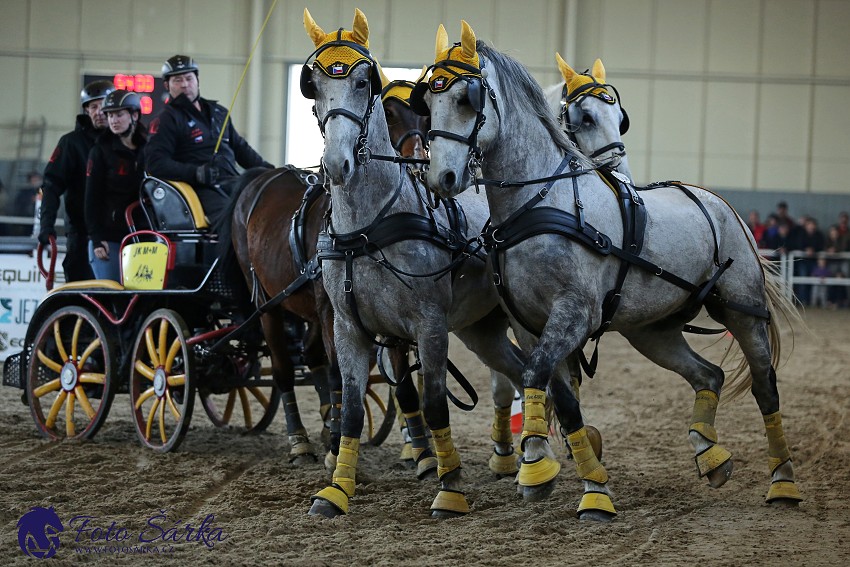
[75,337]
[95,344]
[261,397]
[150,346]
[93,378]
[54,409]
[174,411]
[372,394]
[149,422]
[163,336]
[176,381]
[172,352]
[51,364]
[246,408]
[69,416]
[84,401]
[144,370]
[228,407]
[51,386]
[370,419]
[57,336]
[162,434]
[144,396]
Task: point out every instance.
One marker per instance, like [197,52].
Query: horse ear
[360,28]
[313,30]
[598,71]
[467,40]
[566,71]
[442,40]
[384,79]
[422,74]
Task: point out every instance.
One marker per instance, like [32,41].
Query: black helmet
[177,65]
[121,100]
[95,90]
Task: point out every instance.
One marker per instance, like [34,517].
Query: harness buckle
[364,155]
[580,205]
[497,279]
[346,286]
[543,192]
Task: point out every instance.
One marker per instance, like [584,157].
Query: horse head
[593,117]
[459,98]
[344,80]
[407,128]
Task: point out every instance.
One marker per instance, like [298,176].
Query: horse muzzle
[446,182]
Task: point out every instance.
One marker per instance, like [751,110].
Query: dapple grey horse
[382,233]
[557,231]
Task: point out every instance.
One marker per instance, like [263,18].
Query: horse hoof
[595,516]
[426,467]
[302,460]
[322,507]
[784,503]
[445,514]
[538,492]
[720,475]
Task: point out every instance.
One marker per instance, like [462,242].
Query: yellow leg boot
[713,461]
[503,464]
[595,503]
[543,469]
[333,500]
[449,502]
[782,486]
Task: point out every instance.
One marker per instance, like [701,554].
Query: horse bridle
[478,91]
[308,89]
[594,89]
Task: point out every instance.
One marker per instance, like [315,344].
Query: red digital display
[150,89]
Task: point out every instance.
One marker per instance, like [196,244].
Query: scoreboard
[150,89]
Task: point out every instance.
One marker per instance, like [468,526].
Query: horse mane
[527,97]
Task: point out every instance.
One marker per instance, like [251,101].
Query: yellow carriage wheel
[70,375]
[380,411]
[162,381]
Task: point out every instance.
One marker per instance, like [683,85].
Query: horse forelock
[522,93]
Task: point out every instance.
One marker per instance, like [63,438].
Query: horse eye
[587,120]
[463,101]
[361,83]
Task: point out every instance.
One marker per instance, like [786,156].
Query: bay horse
[555,240]
[392,262]
[591,113]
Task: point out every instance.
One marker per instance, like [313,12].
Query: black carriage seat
[173,208]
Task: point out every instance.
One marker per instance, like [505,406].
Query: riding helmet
[95,90]
[177,65]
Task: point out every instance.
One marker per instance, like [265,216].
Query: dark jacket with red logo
[65,174]
[113,178]
[183,138]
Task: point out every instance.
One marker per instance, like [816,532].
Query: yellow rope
[242,78]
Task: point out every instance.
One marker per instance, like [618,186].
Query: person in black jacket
[183,139]
[114,174]
[65,174]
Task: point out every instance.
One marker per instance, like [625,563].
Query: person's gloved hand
[207,174]
[45,234]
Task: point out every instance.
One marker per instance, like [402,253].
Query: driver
[183,137]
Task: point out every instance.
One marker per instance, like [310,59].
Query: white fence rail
[792,272]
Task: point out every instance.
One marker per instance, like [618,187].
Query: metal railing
[788,260]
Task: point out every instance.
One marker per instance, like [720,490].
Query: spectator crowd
[818,250]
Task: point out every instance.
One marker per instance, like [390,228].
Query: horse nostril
[447,180]
[346,168]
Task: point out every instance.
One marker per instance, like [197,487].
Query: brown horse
[263,214]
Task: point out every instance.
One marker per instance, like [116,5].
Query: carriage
[154,336]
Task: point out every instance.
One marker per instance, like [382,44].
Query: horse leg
[756,345]
[414,430]
[574,370]
[539,468]
[283,372]
[488,339]
[450,501]
[668,348]
[353,353]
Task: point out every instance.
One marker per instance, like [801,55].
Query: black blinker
[308,89]
[417,99]
[624,123]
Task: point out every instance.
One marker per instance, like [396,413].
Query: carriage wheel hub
[68,376]
[159,382]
